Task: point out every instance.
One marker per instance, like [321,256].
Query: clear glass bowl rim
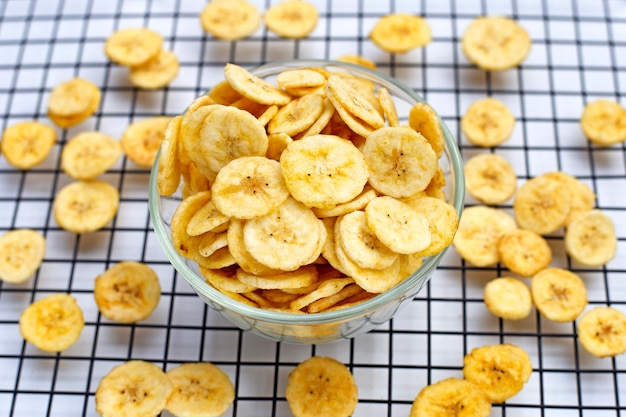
[348,313]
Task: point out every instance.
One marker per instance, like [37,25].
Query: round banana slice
[542,204]
[133,46]
[127,292]
[156,73]
[480,230]
[201,389]
[224,280]
[170,168]
[490,178]
[26,144]
[300,78]
[21,254]
[397,225]
[89,154]
[85,206]
[53,323]
[134,388]
[590,239]
[294,19]
[358,60]
[487,122]
[451,397]
[242,256]
[73,101]
[253,87]
[583,198]
[142,139]
[602,331]
[298,115]
[524,252]
[323,170]
[400,161]
[604,122]
[508,298]
[321,386]
[500,371]
[424,120]
[230,19]
[286,238]
[559,295]
[399,33]
[495,43]
[443,221]
[343,95]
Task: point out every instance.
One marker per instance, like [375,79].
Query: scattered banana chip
[602,331]
[298,115]
[495,43]
[134,388]
[321,386]
[490,178]
[399,33]
[127,292]
[133,47]
[53,323]
[22,252]
[451,397]
[559,295]
[583,198]
[487,122]
[201,389]
[524,252]
[300,78]
[71,102]
[294,19]
[26,144]
[142,139]
[499,370]
[590,238]
[156,73]
[230,19]
[85,206]
[604,122]
[508,298]
[89,155]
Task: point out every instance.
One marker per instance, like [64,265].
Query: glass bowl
[324,326]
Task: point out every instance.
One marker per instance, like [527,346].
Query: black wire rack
[578,54]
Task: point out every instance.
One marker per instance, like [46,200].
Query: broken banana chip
[487,122]
[490,178]
[604,122]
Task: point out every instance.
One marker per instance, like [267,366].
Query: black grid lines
[578,55]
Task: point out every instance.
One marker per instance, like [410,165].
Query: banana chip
[443,221]
[583,198]
[559,295]
[604,122]
[389,107]
[451,397]
[21,254]
[298,115]
[53,323]
[590,239]
[253,87]
[133,47]
[321,386]
[89,154]
[524,252]
[399,33]
[142,139]
[602,331]
[424,120]
[300,278]
[300,78]
[487,122]
[169,170]
[508,298]
[73,101]
[345,96]
[156,73]
[85,206]
[327,288]
[490,178]
[294,19]
[358,60]
[127,292]
[27,144]
[230,19]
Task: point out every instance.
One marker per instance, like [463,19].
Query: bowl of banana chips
[307,201]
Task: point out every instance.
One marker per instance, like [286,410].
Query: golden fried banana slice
[142,139]
[357,60]
[293,19]
[451,397]
[487,122]
[21,254]
[224,280]
[397,225]
[333,300]
[344,95]
[253,87]
[500,371]
[583,198]
[89,154]
[559,295]
[156,73]
[495,43]
[326,288]
[133,46]
[199,102]
[542,204]
[351,127]
[169,168]
[358,203]
[230,20]
[400,161]
[321,386]
[508,298]
[399,33]
[323,170]
[206,219]
[443,221]
[73,101]
[480,230]
[603,122]
[85,206]
[222,93]
[127,292]
[298,115]
[201,389]
[590,239]
[300,78]
[300,278]
[276,144]
[27,144]
[524,252]
[602,331]
[241,255]
[53,323]
[385,99]
[490,178]
[424,120]
[133,388]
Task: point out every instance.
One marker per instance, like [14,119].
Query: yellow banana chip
[358,203]
[169,170]
[73,101]
[358,60]
[443,222]
[602,331]
[230,19]
[298,115]
[156,73]
[343,95]
[389,107]
[26,144]
[293,19]
[604,122]
[276,144]
[22,252]
[253,87]
[300,78]
[53,323]
[487,122]
[133,46]
[142,139]
[89,154]
[583,198]
[325,289]
[524,252]
[508,298]
[590,239]
[334,300]
[451,397]
[559,295]
[424,120]
[300,278]
[490,178]
[399,33]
